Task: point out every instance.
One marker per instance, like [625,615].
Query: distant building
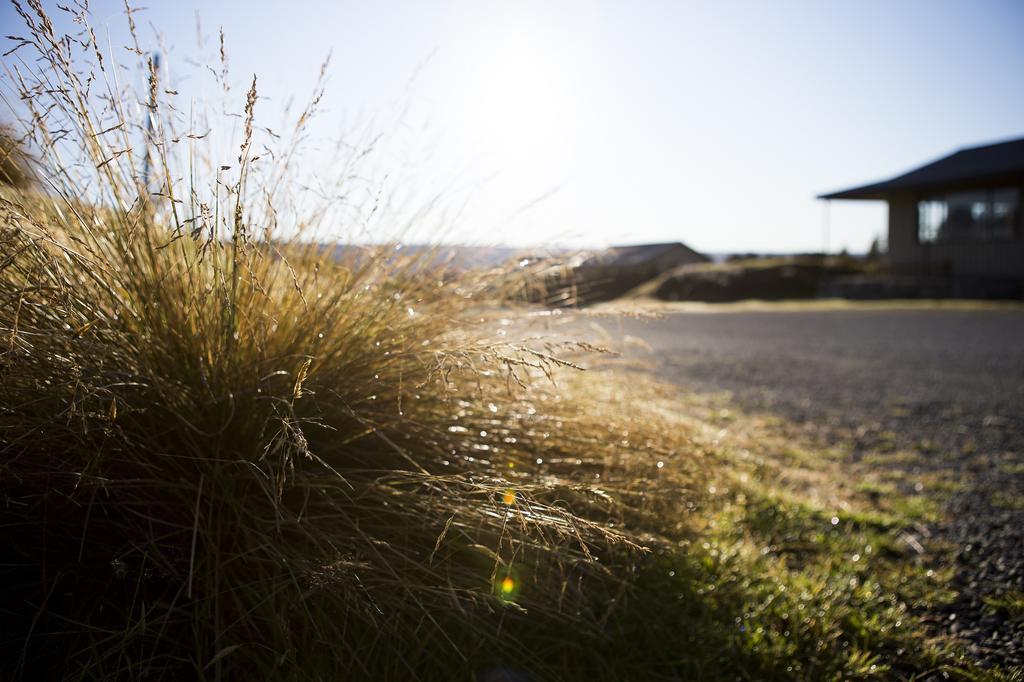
[618,269]
[641,262]
[957,218]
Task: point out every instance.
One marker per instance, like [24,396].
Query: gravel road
[948,383]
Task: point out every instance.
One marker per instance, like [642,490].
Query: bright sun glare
[522,101]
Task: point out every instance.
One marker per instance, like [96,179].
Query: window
[931,216]
[969,216]
[1004,208]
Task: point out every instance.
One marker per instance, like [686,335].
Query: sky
[587,123]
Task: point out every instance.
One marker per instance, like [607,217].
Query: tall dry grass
[227,454]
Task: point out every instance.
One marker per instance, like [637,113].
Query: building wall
[1004,259]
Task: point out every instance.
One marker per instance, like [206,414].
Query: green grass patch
[776,588]
[1009,604]
[1005,500]
[900,458]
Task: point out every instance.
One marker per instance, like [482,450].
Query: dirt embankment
[766,279]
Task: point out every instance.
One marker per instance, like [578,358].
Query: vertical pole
[825,225]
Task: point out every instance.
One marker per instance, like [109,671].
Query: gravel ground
[949,384]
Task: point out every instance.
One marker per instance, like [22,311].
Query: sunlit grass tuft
[227,449]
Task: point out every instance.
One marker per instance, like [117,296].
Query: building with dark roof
[618,269]
[957,218]
[656,257]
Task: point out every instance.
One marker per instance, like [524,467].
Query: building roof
[975,165]
[637,254]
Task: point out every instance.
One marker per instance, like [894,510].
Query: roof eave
[853,196]
[865,193]
[881,191]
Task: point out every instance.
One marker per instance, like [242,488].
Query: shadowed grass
[225,451]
